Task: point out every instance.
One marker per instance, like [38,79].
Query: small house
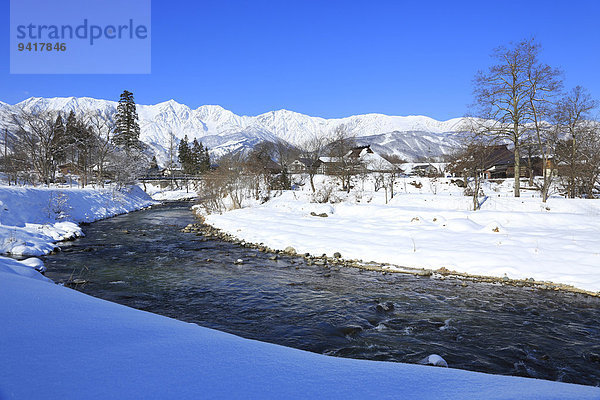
[328,165]
[303,164]
[500,162]
[368,160]
[426,170]
[69,168]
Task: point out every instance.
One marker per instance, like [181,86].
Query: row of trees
[93,145]
[266,167]
[194,158]
[521,100]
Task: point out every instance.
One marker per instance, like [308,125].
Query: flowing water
[142,260]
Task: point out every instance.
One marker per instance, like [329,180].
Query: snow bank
[162,194]
[518,237]
[61,344]
[32,219]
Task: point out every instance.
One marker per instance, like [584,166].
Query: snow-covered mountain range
[411,137]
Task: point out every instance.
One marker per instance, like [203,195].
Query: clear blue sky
[331,58]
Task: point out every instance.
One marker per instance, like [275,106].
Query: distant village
[363,159]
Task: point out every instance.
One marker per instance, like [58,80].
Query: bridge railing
[171,178]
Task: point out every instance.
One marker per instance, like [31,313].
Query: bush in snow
[325,194]
[58,206]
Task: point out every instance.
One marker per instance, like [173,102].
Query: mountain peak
[211,108]
[170,102]
[223,131]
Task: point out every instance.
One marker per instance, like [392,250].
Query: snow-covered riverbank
[60,343]
[520,238]
[157,192]
[33,219]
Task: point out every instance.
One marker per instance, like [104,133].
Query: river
[142,260]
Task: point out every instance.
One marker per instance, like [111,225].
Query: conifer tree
[127,129]
[69,137]
[286,184]
[200,159]
[84,142]
[153,163]
[185,156]
[59,141]
[197,154]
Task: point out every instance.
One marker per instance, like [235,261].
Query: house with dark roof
[362,158]
[501,164]
[368,160]
[499,161]
[304,164]
[428,170]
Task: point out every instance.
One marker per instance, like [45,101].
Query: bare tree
[573,116]
[312,151]
[171,153]
[259,166]
[590,172]
[211,192]
[384,177]
[390,181]
[284,154]
[172,158]
[339,149]
[504,95]
[101,126]
[545,84]
[15,161]
[125,166]
[35,136]
[233,179]
[470,161]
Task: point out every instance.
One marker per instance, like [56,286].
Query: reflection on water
[143,260]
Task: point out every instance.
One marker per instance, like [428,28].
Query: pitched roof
[500,155]
[307,161]
[359,151]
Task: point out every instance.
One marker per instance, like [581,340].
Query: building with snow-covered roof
[361,158]
[303,164]
[369,160]
[426,170]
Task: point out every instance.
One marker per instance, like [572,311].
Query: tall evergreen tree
[200,159]
[154,163]
[194,158]
[58,151]
[69,140]
[197,153]
[59,141]
[185,157]
[127,129]
[84,142]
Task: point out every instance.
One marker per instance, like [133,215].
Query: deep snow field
[32,219]
[433,226]
[167,194]
[57,343]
